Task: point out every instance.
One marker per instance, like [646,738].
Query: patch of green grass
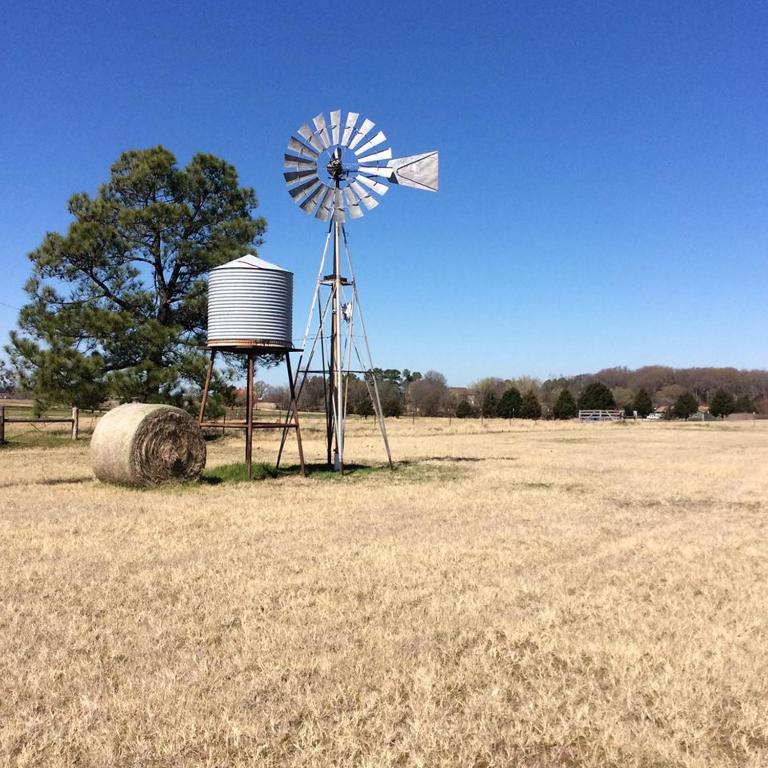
[41,439]
[237,473]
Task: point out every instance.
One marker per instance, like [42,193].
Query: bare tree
[429,396]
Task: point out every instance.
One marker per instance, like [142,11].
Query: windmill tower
[335,171]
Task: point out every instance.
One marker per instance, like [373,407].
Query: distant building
[462,393]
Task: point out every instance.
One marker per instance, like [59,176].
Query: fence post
[75,422]
[2,425]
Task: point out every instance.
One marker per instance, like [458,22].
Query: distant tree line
[410,392]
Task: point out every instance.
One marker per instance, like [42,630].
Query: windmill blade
[361,133]
[377,170]
[368,200]
[418,171]
[376,186]
[302,189]
[291,161]
[338,206]
[385,154]
[294,145]
[353,203]
[379,138]
[309,205]
[293,176]
[335,125]
[349,126]
[321,131]
[325,208]
[306,133]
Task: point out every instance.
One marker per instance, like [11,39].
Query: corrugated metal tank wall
[250,303]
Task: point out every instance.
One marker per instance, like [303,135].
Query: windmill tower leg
[337,367]
[366,363]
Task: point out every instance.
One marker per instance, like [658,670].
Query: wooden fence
[73,421]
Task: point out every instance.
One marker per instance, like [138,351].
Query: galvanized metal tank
[250,304]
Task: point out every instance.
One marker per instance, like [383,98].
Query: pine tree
[464,410]
[743,404]
[685,405]
[490,405]
[118,304]
[642,403]
[565,407]
[530,407]
[509,405]
[596,396]
[722,404]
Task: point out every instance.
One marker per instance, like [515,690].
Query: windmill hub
[338,170]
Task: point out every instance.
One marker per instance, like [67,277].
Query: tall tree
[429,396]
[530,407]
[685,405]
[489,405]
[358,397]
[642,403]
[118,304]
[565,407]
[596,396]
[722,404]
[509,405]
[391,398]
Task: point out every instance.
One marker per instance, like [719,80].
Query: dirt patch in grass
[403,471]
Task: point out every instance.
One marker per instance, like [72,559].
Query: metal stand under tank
[248,424]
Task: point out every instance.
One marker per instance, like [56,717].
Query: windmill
[336,170]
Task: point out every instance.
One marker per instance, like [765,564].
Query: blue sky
[604,166]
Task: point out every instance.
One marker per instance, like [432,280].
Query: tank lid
[249,261]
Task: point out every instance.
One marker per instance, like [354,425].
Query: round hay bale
[145,444]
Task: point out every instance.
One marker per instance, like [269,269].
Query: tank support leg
[295,408]
[206,386]
[249,418]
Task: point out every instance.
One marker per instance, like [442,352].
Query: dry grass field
[513,595]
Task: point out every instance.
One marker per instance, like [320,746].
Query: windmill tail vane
[338,168]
